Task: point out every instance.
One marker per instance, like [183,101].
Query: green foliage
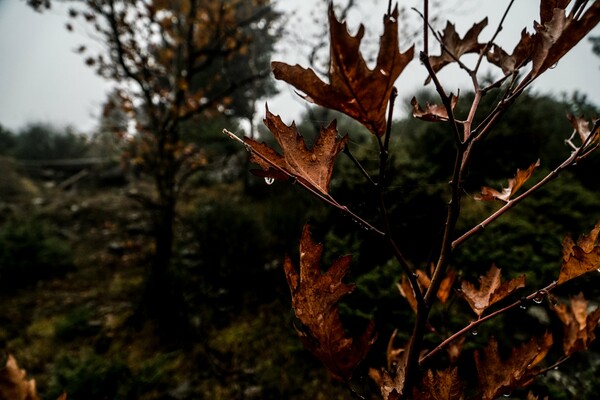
[283,369]
[46,142]
[29,253]
[7,140]
[90,376]
[76,324]
[87,375]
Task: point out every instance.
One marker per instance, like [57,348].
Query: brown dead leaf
[455,348]
[439,385]
[579,326]
[557,33]
[315,299]
[582,257]
[581,126]
[514,184]
[406,291]
[432,112]
[393,354]
[453,47]
[391,382]
[446,286]
[531,396]
[313,167]
[497,376]
[490,291]
[520,56]
[14,384]
[354,89]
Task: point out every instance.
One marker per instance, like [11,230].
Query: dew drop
[539,297]
[269,180]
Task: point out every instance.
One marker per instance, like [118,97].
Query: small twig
[358,165]
[443,46]
[425,23]
[445,98]
[555,365]
[325,197]
[380,185]
[491,41]
[497,84]
[476,323]
[511,203]
[388,128]
[384,146]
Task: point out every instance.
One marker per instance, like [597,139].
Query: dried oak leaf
[406,291]
[455,348]
[453,47]
[520,56]
[439,385]
[315,299]
[313,167]
[531,396]
[581,257]
[13,383]
[557,33]
[490,291]
[581,126]
[497,376]
[579,326]
[514,184]
[432,112]
[354,89]
[391,382]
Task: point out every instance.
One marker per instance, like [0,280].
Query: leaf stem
[476,323]
[445,98]
[425,24]
[573,158]
[491,41]
[358,165]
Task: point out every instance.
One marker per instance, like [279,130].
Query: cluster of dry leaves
[315,297]
[363,94]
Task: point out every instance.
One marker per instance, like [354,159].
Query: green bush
[76,324]
[90,377]
[29,253]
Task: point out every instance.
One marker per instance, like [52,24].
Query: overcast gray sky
[43,80]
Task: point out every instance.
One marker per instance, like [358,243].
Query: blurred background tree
[176,66]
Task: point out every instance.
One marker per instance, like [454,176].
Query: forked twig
[474,324]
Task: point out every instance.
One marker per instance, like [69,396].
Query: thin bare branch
[474,324]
